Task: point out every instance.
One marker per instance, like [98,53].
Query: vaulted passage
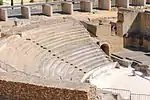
[105,48]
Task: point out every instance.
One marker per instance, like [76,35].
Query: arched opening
[105,48]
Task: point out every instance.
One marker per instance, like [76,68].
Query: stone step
[82,54]
[65,42]
[54,37]
[51,33]
[40,29]
[49,30]
[91,64]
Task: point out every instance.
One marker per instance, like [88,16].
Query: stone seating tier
[64,53]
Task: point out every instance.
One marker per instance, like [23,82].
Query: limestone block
[25,11]
[3,14]
[139,2]
[47,10]
[104,4]
[122,3]
[86,6]
[67,7]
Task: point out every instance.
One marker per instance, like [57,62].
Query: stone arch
[105,47]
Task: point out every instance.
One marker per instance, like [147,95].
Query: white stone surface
[122,79]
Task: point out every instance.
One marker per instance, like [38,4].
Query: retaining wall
[21,87]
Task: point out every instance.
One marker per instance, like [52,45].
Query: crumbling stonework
[129,20]
[145,25]
[134,26]
[98,28]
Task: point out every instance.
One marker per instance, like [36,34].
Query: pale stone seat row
[81,55]
[53,36]
[49,60]
[51,41]
[64,41]
[52,32]
[87,58]
[66,53]
[51,27]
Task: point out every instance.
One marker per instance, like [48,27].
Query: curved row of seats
[64,52]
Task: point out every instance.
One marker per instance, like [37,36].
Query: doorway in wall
[105,48]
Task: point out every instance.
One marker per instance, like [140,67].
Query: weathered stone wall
[141,44]
[14,87]
[145,24]
[98,30]
[136,24]
[119,26]
[130,20]
[134,21]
